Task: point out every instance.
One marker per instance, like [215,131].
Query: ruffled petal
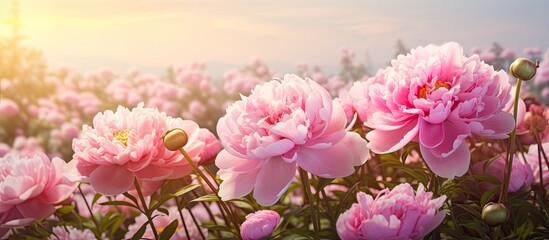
[273,180]
[111,180]
[453,165]
[390,141]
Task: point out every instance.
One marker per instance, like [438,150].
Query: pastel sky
[87,34]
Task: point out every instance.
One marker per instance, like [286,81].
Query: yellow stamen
[422,91]
[122,137]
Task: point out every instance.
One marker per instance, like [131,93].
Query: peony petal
[453,165]
[454,135]
[236,185]
[333,162]
[498,126]
[226,160]
[358,146]
[274,149]
[153,173]
[272,180]
[36,209]
[57,194]
[111,180]
[430,135]
[390,141]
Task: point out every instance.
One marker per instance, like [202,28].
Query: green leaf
[118,203]
[487,178]
[184,190]
[167,233]
[206,198]
[343,200]
[139,234]
[163,210]
[131,197]
[95,198]
[486,196]
[66,209]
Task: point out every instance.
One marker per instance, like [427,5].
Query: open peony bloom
[438,97]
[396,214]
[125,145]
[161,221]
[31,187]
[284,124]
[259,224]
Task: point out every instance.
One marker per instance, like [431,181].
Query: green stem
[99,231]
[223,205]
[511,150]
[307,191]
[180,210]
[145,208]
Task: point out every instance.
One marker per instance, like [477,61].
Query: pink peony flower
[284,124]
[521,173]
[31,187]
[4,149]
[127,145]
[437,97]
[259,224]
[71,233]
[532,158]
[396,214]
[211,147]
[162,221]
[8,107]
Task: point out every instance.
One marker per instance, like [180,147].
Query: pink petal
[273,179]
[358,146]
[274,149]
[498,126]
[430,135]
[111,180]
[225,160]
[57,194]
[390,141]
[154,173]
[333,162]
[454,135]
[236,185]
[36,209]
[453,165]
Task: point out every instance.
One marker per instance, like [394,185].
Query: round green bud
[494,214]
[523,68]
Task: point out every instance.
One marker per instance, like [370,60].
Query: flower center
[424,90]
[121,136]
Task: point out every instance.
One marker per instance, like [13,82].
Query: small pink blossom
[8,107]
[521,173]
[438,97]
[284,124]
[507,54]
[31,187]
[396,214]
[162,221]
[4,149]
[127,145]
[259,224]
[71,233]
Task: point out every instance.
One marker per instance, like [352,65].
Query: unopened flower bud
[175,139]
[523,68]
[494,214]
